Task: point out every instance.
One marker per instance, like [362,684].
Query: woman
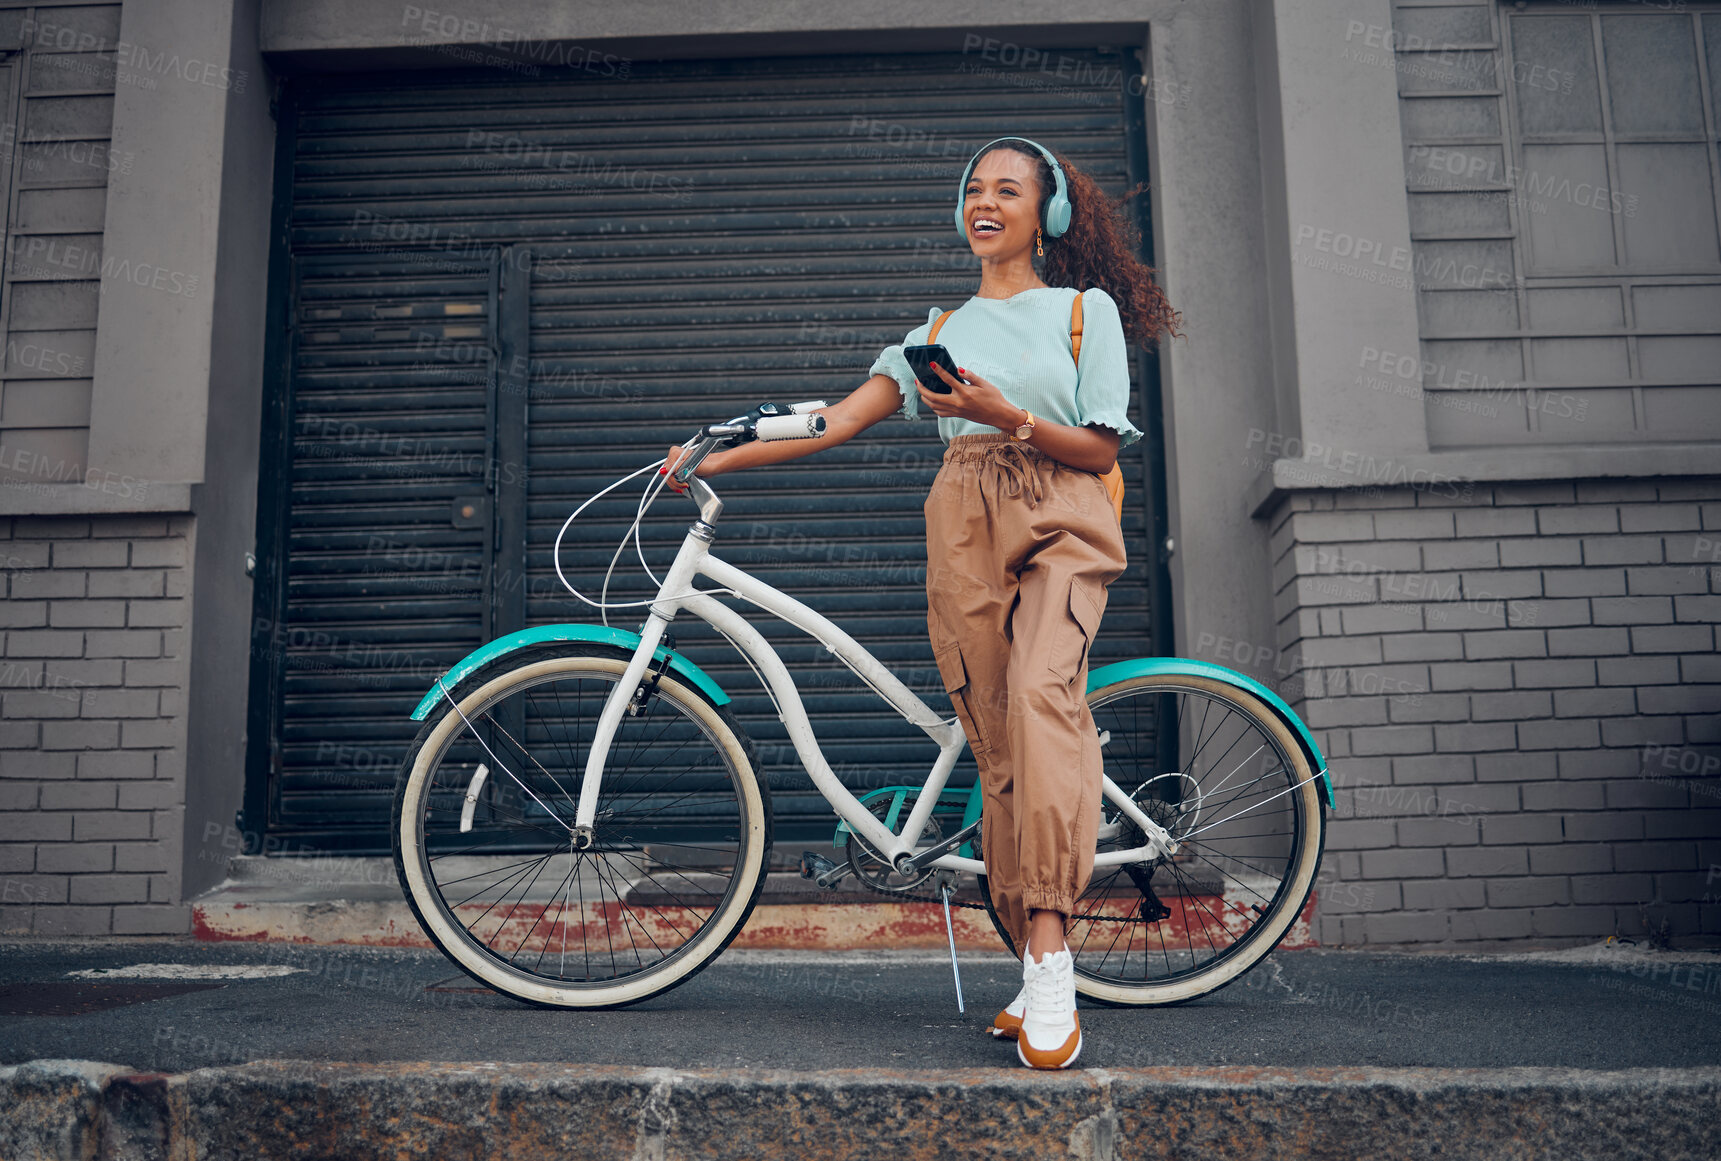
[1022,538]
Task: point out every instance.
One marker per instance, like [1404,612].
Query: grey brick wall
[1519,693]
[92,724]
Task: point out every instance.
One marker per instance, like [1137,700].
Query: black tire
[681,840]
[1232,897]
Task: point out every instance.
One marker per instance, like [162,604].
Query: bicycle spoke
[503,730]
[524,891]
[519,947]
[1287,790]
[1238,858]
[487,871]
[1259,786]
[580,885]
[627,913]
[1221,783]
[692,911]
[517,875]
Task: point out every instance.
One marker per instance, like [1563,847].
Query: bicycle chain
[906,897]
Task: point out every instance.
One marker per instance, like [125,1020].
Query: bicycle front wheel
[1217,768]
[484,845]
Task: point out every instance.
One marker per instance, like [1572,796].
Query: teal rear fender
[1182,667]
[581,634]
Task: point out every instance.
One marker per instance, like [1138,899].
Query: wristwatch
[1025,429]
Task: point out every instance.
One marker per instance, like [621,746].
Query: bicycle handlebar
[775,427]
[767,423]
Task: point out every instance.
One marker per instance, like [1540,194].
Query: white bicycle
[580,822]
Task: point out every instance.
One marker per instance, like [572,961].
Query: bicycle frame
[677,594]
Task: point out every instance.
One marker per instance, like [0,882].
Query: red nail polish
[962,370]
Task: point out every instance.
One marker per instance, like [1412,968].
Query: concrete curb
[52,1108]
[270,1109]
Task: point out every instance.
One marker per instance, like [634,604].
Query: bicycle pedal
[821,870]
[813,866]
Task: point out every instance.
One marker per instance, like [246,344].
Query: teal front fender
[582,634]
[1182,667]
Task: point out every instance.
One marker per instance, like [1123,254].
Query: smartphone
[921,360]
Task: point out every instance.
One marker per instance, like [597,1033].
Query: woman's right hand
[676,452]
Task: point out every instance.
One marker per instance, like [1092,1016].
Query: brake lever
[739,430]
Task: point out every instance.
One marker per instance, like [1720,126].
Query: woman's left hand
[978,400]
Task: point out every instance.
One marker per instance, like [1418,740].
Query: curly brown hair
[1099,248]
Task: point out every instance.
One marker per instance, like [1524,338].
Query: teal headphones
[1057,210]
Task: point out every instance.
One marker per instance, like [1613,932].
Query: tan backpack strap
[932,335]
[1112,478]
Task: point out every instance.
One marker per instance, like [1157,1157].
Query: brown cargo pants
[1020,549]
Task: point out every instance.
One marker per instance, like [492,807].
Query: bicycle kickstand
[945,890]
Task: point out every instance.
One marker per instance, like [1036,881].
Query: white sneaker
[1051,1035]
[1007,1025]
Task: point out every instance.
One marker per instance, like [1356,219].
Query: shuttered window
[1564,169]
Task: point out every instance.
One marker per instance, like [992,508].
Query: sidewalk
[277,1050]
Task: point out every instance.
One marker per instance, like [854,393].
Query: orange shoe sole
[1060,1057]
[1006,1026]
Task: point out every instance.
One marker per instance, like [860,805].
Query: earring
[1037,249]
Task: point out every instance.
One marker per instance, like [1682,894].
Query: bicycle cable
[603,604]
[652,490]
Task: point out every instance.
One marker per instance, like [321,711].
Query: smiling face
[1001,204]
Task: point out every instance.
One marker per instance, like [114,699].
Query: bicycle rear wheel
[483,840]
[1219,770]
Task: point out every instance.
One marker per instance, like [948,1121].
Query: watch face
[1024,431]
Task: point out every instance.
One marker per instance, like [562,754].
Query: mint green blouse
[1022,345]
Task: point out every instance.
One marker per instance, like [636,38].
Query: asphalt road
[1592,1008]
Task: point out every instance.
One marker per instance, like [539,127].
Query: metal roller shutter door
[700,237]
